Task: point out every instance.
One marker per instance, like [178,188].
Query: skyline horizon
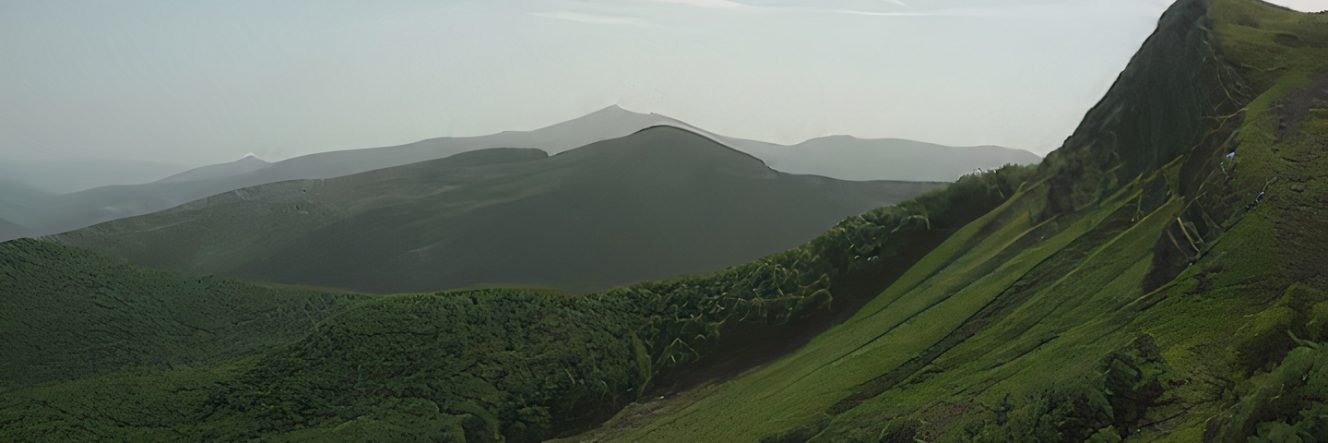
[205,83]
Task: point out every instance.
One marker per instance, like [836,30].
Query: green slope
[659,203]
[1147,287]
[1139,285]
[70,314]
[102,350]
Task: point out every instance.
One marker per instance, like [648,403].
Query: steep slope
[99,350]
[658,203]
[1148,285]
[1184,301]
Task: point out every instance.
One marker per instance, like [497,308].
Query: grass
[1139,286]
[968,344]
[117,352]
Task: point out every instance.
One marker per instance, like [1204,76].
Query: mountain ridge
[662,201]
[62,213]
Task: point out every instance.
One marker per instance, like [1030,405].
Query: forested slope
[484,365]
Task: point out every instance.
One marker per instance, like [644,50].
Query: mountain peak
[616,109]
[251,157]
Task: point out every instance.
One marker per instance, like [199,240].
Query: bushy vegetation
[1105,407]
[1288,404]
[1145,285]
[481,365]
[1187,208]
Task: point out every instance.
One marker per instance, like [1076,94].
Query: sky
[197,82]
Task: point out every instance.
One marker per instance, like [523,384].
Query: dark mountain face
[60,213]
[658,203]
[859,160]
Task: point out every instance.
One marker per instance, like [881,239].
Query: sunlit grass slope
[1148,287]
[101,350]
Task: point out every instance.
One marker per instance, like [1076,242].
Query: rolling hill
[831,157]
[18,203]
[658,203]
[248,163]
[66,176]
[97,349]
[11,230]
[1158,278]
[852,158]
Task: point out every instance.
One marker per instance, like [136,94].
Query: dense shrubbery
[1104,408]
[844,267]
[1289,404]
[526,366]
[487,365]
[518,365]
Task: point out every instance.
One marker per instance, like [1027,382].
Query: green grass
[969,343]
[206,358]
[1136,287]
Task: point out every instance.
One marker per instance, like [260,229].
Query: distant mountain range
[248,163]
[658,203]
[1160,277]
[10,230]
[76,175]
[851,158]
[835,157]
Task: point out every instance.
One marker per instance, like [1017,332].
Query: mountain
[1158,278]
[248,163]
[18,201]
[61,213]
[11,230]
[658,203]
[59,177]
[851,158]
[98,349]
[836,157]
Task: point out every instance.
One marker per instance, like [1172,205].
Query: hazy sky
[208,81]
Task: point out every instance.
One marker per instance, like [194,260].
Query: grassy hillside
[1147,286]
[659,203]
[1160,278]
[70,314]
[102,350]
